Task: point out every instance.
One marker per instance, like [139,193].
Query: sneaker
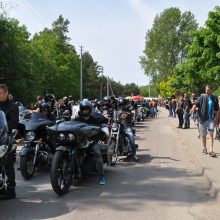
[204,151]
[212,154]
[135,158]
[101,180]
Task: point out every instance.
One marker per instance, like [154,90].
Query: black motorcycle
[6,147]
[37,150]
[119,143]
[72,156]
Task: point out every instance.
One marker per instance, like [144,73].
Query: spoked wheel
[112,154]
[27,166]
[61,173]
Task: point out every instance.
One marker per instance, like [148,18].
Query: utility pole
[109,81]
[149,86]
[81,75]
[107,87]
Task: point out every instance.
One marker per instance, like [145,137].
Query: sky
[112,31]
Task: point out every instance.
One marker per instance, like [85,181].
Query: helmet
[85,105]
[99,104]
[49,97]
[112,98]
[65,98]
[45,107]
[122,102]
[107,100]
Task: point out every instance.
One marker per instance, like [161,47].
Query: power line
[33,13]
[40,8]
[41,11]
[43,3]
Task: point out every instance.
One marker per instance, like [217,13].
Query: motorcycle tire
[61,172]
[27,167]
[113,156]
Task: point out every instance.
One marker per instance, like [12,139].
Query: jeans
[174,111]
[99,160]
[130,136]
[187,120]
[180,117]
[170,111]
[9,170]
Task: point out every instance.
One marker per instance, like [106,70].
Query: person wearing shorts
[208,109]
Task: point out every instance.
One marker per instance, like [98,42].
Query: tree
[56,62]
[145,90]
[15,53]
[91,81]
[203,63]
[166,43]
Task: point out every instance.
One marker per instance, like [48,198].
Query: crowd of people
[204,112]
[63,108]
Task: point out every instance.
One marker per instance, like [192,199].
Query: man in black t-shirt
[85,115]
[187,108]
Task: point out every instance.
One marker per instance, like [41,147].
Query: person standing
[208,110]
[180,111]
[187,108]
[173,104]
[12,116]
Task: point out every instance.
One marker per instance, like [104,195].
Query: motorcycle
[6,147]
[72,157]
[119,143]
[37,150]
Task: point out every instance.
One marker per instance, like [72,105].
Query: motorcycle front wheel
[61,173]
[112,154]
[27,166]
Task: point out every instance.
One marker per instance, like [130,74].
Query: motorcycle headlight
[3,150]
[61,137]
[30,136]
[70,137]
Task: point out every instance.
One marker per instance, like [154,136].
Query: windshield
[37,116]
[3,128]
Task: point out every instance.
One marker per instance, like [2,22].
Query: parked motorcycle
[119,143]
[72,157]
[37,150]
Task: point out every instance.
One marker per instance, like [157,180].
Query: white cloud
[145,11]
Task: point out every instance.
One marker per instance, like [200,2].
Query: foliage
[144,91]
[166,87]
[48,63]
[203,64]
[166,43]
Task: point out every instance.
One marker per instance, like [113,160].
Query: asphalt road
[165,184]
